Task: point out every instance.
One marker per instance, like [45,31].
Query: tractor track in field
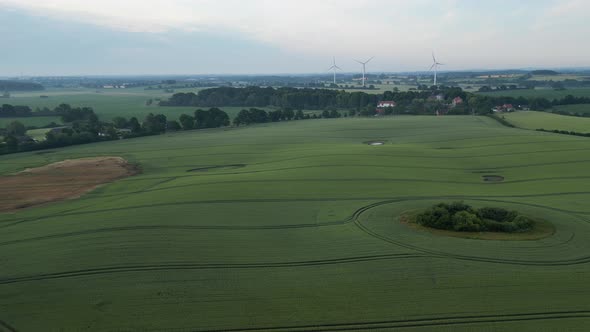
[395,155]
[414,323]
[204,266]
[353,218]
[367,165]
[153,187]
[6,327]
[434,253]
[380,201]
[506,182]
[191,227]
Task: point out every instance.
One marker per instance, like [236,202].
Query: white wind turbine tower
[434,66]
[334,67]
[364,64]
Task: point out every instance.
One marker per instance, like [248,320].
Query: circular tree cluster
[460,217]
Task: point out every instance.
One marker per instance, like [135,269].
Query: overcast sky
[73,37]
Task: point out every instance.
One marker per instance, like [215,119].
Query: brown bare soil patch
[59,181]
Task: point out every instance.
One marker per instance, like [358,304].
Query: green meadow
[549,121]
[294,226]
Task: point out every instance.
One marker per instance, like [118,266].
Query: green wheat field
[295,226]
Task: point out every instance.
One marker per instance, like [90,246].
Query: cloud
[400,33]
[358,26]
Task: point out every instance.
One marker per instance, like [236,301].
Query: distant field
[544,93]
[556,78]
[549,121]
[380,88]
[31,121]
[38,134]
[582,108]
[107,104]
[295,226]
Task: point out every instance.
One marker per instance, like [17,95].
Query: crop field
[37,121]
[540,93]
[295,226]
[580,108]
[379,88]
[549,121]
[107,104]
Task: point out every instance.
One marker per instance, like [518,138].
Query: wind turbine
[364,64]
[435,65]
[334,67]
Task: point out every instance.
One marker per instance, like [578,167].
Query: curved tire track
[193,266]
[574,261]
[416,323]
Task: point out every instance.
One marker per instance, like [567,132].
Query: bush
[461,217]
[497,214]
[464,221]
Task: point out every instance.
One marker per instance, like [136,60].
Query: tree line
[301,99]
[66,112]
[6,85]
[83,126]
[419,101]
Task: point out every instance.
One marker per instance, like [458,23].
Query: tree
[134,125]
[120,122]
[275,116]
[154,124]
[299,115]
[172,125]
[187,122]
[213,118]
[288,114]
[464,221]
[11,142]
[243,118]
[16,128]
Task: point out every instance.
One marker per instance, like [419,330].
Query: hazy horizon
[181,37]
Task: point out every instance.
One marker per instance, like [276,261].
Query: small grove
[461,217]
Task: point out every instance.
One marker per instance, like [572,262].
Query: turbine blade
[337,67]
[358,61]
[369,59]
[433,58]
[440,64]
[434,64]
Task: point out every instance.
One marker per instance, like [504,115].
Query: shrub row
[565,132]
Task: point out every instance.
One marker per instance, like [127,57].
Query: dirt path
[61,180]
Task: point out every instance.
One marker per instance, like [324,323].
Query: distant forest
[423,101]
[20,86]
[293,98]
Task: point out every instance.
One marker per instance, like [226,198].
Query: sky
[161,37]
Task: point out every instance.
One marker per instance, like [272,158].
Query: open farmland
[36,121]
[548,121]
[539,93]
[107,103]
[295,226]
[579,108]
